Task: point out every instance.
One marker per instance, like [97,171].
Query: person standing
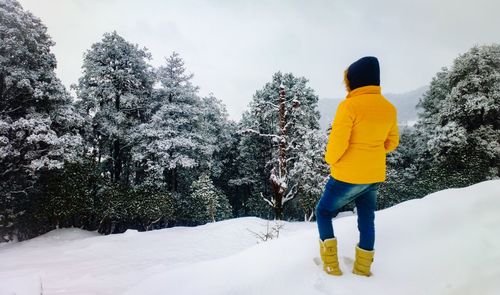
[364,130]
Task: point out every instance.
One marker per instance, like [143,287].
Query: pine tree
[310,172]
[221,139]
[460,122]
[252,174]
[455,142]
[217,131]
[171,141]
[281,114]
[115,91]
[39,129]
[205,204]
[403,181]
[69,196]
[151,205]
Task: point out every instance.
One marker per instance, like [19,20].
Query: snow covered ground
[446,243]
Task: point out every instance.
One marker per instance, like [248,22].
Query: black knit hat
[363,72]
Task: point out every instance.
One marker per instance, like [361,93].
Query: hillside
[445,243]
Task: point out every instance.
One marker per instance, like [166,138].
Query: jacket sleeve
[392,141]
[338,141]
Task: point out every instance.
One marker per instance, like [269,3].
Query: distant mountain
[405,103]
[327,108]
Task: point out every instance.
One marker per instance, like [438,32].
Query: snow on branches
[280,116]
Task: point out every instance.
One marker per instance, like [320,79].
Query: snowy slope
[446,243]
[72,261]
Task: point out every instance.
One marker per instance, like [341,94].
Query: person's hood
[363,72]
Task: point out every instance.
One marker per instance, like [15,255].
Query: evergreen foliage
[69,196]
[205,204]
[456,141]
[39,129]
[262,134]
[141,149]
[115,91]
[311,172]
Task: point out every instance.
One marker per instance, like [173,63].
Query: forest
[132,146]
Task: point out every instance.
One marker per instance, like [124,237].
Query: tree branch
[290,195]
[271,104]
[260,134]
[271,203]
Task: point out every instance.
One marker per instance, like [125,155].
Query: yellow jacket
[364,130]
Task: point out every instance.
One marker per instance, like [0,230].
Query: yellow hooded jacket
[364,130]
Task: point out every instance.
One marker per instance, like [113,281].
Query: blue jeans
[335,196]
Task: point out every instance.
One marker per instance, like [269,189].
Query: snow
[445,243]
[73,261]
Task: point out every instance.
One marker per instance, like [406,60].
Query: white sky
[233,47]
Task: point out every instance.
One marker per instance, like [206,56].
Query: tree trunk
[117,161]
[171,179]
[277,185]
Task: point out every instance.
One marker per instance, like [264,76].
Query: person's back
[364,130]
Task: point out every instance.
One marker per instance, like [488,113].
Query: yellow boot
[363,262]
[328,252]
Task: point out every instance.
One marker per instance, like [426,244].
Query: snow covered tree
[143,207]
[151,205]
[112,208]
[205,204]
[310,172]
[171,141]
[221,138]
[281,114]
[115,90]
[217,131]
[68,196]
[251,175]
[39,129]
[460,121]
[403,181]
[456,141]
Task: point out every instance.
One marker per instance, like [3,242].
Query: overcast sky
[233,47]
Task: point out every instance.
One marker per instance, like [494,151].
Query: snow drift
[445,243]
